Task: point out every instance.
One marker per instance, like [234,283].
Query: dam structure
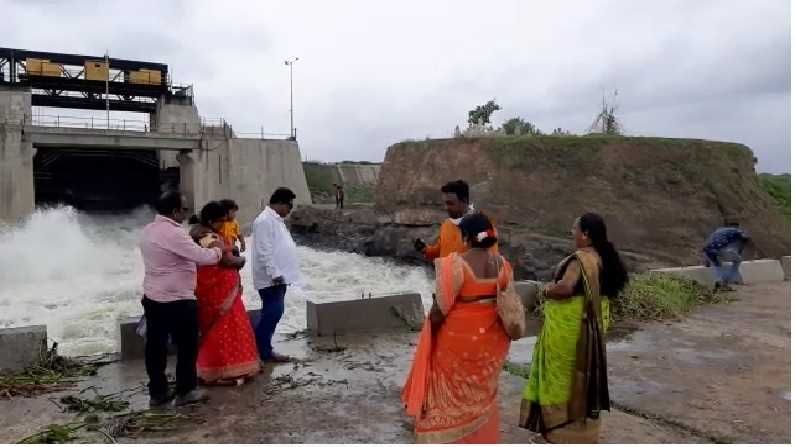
[95,163]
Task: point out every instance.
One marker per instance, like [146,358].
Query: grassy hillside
[661,197]
[778,186]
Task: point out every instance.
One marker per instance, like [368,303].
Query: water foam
[79,274]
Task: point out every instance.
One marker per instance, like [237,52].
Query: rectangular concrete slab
[133,346]
[786,266]
[763,270]
[379,313]
[21,347]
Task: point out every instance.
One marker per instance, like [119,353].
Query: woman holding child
[227,349]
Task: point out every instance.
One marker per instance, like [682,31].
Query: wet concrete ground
[721,375]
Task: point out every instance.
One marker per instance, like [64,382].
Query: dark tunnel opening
[100,180]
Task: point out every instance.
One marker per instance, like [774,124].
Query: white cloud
[373,73]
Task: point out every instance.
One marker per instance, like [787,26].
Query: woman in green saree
[567,388]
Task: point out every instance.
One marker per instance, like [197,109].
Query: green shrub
[654,296]
[778,187]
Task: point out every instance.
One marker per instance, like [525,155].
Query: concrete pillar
[257,167]
[186,181]
[204,173]
[177,115]
[17,196]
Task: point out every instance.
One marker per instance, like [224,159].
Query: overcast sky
[374,73]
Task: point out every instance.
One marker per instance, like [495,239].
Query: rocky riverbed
[367,231]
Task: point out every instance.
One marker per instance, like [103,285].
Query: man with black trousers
[170,258]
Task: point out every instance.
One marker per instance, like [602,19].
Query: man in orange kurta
[456,202]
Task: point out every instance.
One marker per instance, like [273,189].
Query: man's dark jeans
[180,320]
[272,311]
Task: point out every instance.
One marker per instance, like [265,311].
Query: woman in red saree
[452,389]
[227,350]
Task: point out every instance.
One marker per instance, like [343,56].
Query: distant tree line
[479,120]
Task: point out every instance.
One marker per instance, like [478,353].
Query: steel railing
[209,126]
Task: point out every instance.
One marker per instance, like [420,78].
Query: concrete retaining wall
[257,167]
[21,347]
[358,181]
[763,270]
[751,272]
[383,313]
[16,156]
[356,174]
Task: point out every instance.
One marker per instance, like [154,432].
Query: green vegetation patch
[51,373]
[657,296]
[778,187]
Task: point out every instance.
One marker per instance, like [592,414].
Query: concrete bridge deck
[77,138]
[720,375]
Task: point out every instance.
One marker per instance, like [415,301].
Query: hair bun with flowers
[484,234]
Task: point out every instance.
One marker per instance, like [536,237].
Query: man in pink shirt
[170,259]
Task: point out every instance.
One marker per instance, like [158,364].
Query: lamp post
[289,62]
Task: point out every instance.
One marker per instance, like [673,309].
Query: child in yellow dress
[230,230]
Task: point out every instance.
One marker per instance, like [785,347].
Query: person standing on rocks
[339,194]
[726,244]
[170,257]
[274,267]
[455,195]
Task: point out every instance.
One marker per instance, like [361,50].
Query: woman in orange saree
[227,350]
[452,389]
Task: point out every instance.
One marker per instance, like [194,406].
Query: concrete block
[21,347]
[763,270]
[132,345]
[528,291]
[786,266]
[702,275]
[381,313]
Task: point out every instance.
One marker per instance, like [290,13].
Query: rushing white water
[79,274]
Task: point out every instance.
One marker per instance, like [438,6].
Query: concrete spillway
[211,162]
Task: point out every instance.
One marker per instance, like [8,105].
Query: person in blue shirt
[726,244]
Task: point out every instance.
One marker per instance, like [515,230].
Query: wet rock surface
[370,233]
[721,375]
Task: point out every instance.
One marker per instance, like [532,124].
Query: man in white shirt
[274,267]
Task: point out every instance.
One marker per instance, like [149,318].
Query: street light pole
[289,62]
[107,88]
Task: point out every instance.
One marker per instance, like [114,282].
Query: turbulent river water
[80,273]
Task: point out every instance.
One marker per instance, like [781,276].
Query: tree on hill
[518,126]
[482,113]
[558,131]
[606,121]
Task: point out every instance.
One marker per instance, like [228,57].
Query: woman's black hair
[614,275]
[229,204]
[193,220]
[212,212]
[475,223]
